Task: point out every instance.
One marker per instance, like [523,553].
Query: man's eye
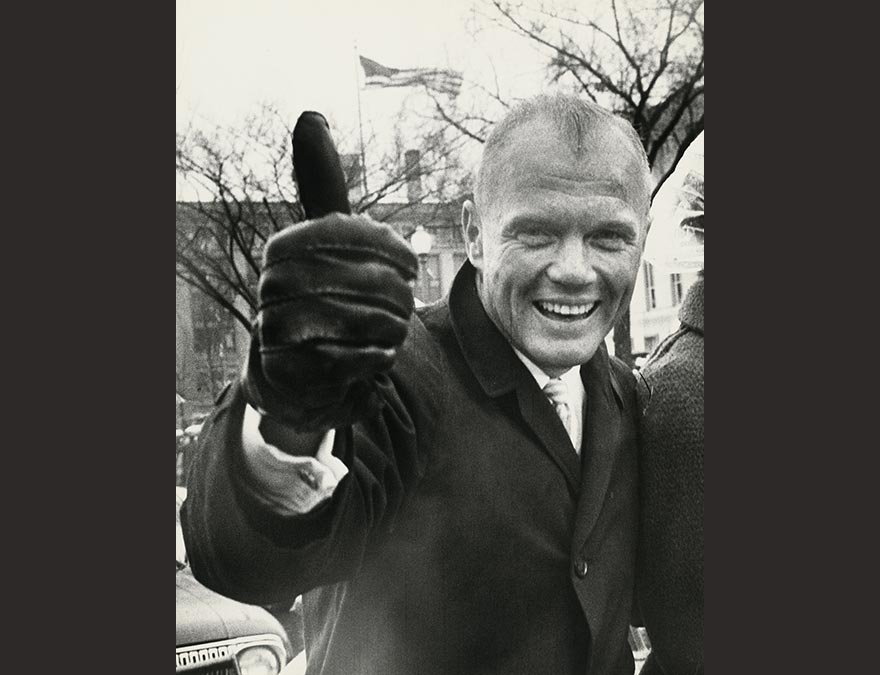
[609,240]
[535,237]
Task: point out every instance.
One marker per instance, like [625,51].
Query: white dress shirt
[293,484]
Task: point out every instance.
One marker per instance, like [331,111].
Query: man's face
[557,240]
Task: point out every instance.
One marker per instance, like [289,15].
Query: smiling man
[558,229]
[452,491]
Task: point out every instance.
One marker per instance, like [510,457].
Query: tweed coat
[670,562]
[467,536]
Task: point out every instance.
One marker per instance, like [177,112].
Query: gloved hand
[334,301]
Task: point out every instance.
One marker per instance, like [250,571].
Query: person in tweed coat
[669,573]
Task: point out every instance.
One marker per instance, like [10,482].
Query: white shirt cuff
[292,484]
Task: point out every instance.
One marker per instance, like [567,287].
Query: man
[670,558]
[410,477]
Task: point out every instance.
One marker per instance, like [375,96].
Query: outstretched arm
[335,303]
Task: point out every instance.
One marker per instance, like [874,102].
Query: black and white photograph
[439,337]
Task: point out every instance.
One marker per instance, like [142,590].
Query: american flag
[440,80]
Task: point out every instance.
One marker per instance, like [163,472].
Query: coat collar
[486,350]
[691,312]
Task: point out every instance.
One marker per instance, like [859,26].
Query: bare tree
[644,59]
[245,191]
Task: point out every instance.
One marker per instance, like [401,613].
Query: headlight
[258,661]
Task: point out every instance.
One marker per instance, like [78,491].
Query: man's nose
[572,265]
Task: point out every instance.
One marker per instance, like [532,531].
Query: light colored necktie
[557,391]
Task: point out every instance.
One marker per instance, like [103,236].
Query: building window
[651,342]
[428,283]
[676,289]
[214,342]
[213,326]
[650,291]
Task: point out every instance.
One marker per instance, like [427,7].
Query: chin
[563,358]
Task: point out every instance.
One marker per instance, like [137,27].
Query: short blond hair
[572,116]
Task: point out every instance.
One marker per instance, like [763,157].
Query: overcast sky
[234,54]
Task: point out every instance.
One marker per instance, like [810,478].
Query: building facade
[654,307]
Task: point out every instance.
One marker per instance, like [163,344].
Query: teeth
[567,310]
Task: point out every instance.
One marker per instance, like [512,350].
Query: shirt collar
[571,377]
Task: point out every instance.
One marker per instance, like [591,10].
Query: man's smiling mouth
[564,311]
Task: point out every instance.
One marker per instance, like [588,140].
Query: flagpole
[360,118]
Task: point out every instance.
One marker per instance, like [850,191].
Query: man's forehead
[538,154]
[620,183]
[587,206]
[606,181]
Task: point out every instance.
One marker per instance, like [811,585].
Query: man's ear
[472,232]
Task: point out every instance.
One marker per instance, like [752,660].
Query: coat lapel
[499,372]
[539,415]
[602,442]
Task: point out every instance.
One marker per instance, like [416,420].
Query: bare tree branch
[198,280]
[457,124]
[694,131]
[566,54]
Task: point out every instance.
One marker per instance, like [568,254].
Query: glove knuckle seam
[300,254]
[321,292]
[376,304]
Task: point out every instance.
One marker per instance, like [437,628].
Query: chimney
[413,175]
[354,179]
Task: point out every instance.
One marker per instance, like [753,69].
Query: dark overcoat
[467,536]
[670,567]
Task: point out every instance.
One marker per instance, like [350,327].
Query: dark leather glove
[334,302]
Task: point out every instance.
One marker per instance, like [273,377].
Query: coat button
[580,568]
